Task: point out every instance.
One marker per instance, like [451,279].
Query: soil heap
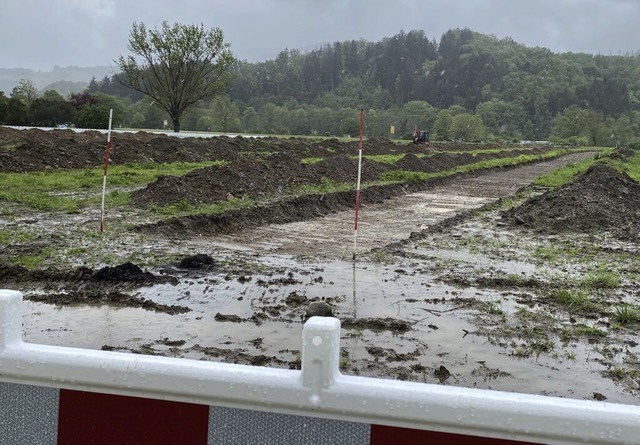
[252,177]
[601,199]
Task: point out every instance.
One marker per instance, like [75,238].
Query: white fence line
[318,390]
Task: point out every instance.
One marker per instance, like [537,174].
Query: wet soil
[38,150]
[601,199]
[456,280]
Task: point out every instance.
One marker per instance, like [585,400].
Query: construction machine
[420,137]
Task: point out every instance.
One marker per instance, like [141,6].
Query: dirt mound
[623,153]
[39,150]
[337,168]
[441,161]
[252,177]
[601,199]
[345,169]
[80,277]
[410,162]
[124,273]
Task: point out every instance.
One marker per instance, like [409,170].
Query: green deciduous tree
[570,122]
[417,113]
[145,114]
[250,120]
[25,91]
[622,131]
[4,105]
[499,117]
[467,127]
[96,115]
[225,115]
[570,125]
[177,65]
[50,110]
[442,126]
[17,112]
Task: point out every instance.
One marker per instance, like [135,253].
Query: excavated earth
[456,280]
[600,199]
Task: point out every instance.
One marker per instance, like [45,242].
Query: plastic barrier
[65,395]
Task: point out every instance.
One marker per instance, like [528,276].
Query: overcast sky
[39,34]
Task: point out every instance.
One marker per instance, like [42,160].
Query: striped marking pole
[355,231]
[106,167]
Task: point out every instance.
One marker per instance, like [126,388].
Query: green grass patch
[140,174]
[34,260]
[557,252]
[326,186]
[631,167]
[568,173]
[601,279]
[384,159]
[535,348]
[68,190]
[10,146]
[588,331]
[565,174]
[577,301]
[310,160]
[547,253]
[410,176]
[17,236]
[627,314]
[380,256]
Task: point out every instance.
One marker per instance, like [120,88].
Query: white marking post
[355,231]
[106,167]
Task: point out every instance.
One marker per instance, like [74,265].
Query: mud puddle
[258,319]
[432,297]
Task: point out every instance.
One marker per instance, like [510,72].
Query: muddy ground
[476,280]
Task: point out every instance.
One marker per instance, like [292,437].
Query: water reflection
[354,311]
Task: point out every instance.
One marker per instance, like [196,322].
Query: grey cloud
[39,34]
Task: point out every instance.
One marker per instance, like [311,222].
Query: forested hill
[465,68]
[467,85]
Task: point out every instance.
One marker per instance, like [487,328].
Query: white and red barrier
[77,396]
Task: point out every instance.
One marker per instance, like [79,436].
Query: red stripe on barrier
[91,418]
[389,435]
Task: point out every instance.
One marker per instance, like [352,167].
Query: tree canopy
[466,86]
[177,65]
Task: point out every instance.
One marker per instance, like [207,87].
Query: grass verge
[562,176]
[69,190]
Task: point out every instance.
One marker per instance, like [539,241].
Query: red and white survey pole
[106,167]
[355,231]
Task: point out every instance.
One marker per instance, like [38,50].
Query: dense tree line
[468,85]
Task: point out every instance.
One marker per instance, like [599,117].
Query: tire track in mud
[331,236]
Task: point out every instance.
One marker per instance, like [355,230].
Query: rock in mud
[295,299]
[231,318]
[377,324]
[198,261]
[319,309]
[442,373]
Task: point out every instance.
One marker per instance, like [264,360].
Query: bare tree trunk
[176,125]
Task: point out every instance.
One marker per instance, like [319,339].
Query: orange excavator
[420,137]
